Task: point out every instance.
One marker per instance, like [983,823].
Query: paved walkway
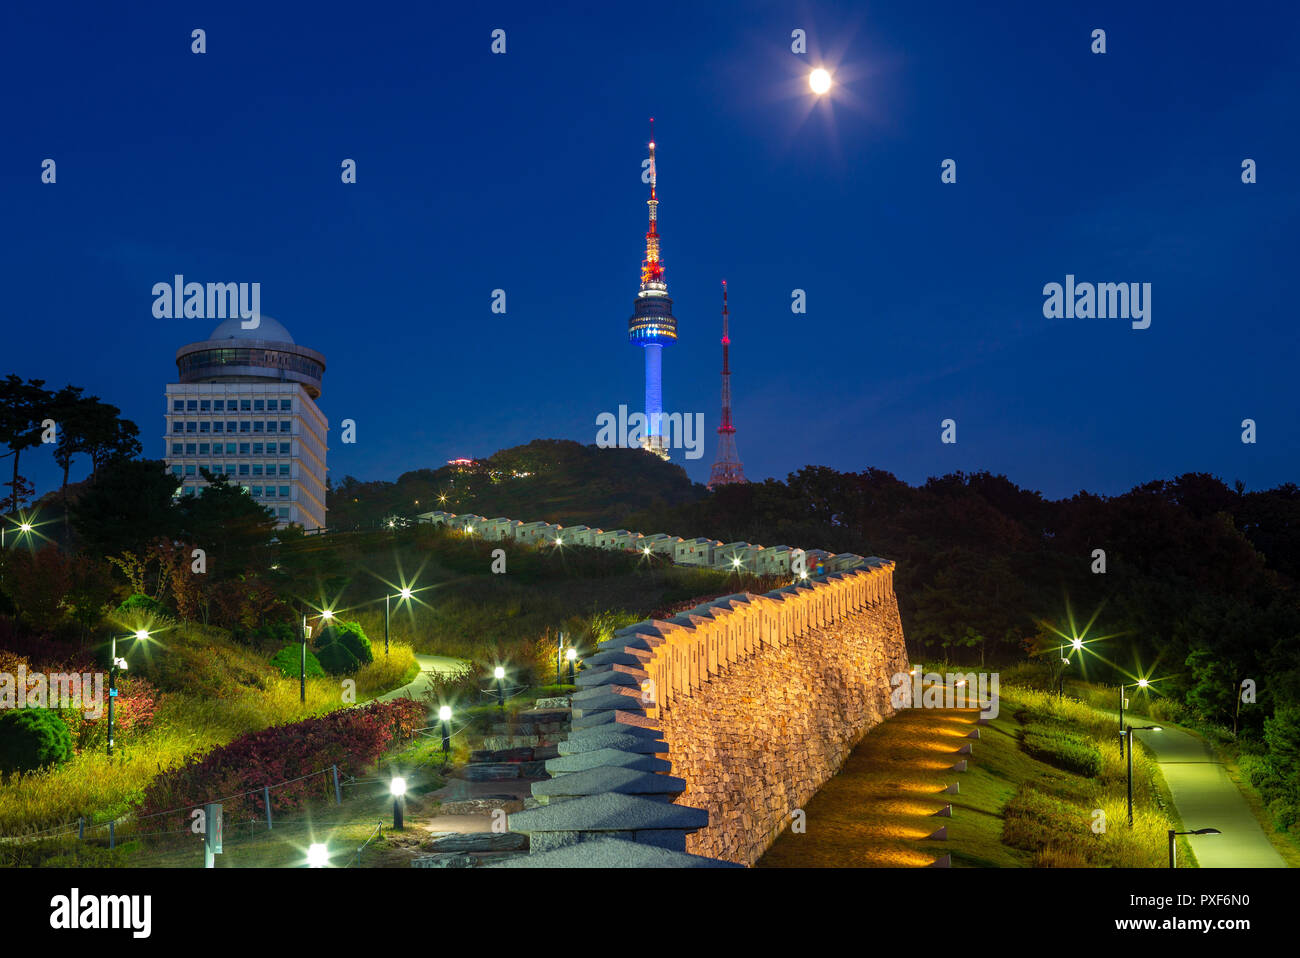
[430,665]
[1207,798]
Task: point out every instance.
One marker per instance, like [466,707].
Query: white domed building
[245,407]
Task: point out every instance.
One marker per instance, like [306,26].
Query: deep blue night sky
[522,172]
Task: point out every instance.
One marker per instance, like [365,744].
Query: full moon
[820,81]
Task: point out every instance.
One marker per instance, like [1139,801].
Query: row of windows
[257,469]
[255,425]
[221,405]
[259,491]
[207,358]
[230,448]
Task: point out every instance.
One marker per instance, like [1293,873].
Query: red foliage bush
[351,738]
[137,702]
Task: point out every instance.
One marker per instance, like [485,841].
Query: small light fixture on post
[572,656]
[398,789]
[499,674]
[302,661]
[444,716]
[1129,730]
[1173,834]
[318,855]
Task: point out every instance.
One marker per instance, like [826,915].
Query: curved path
[1207,798]
[429,666]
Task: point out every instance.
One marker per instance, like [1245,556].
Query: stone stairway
[519,746]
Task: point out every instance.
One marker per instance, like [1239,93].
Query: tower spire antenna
[727,467]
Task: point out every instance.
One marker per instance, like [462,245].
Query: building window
[177,449]
[230,449]
[203,449]
[191,427]
[243,468]
[284,468]
[284,449]
[284,492]
[176,471]
[257,492]
[286,405]
[178,405]
[218,405]
[257,468]
[204,426]
[286,425]
[243,449]
[189,470]
[192,405]
[270,425]
[245,405]
[283,512]
[178,427]
[245,426]
[258,405]
[257,448]
[204,405]
[257,425]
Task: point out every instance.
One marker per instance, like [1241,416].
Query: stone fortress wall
[696,738]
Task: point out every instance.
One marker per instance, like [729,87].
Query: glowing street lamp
[572,656]
[404,594]
[116,665]
[318,855]
[398,789]
[1139,684]
[1129,730]
[819,81]
[499,674]
[444,716]
[1198,831]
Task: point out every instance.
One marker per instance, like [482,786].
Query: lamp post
[398,788]
[1129,730]
[1139,684]
[1173,834]
[572,656]
[402,594]
[444,716]
[499,674]
[559,659]
[116,665]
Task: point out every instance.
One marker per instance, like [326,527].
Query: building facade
[245,407]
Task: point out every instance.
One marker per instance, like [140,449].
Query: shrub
[289,661]
[267,634]
[139,607]
[134,710]
[287,757]
[32,739]
[1283,811]
[342,648]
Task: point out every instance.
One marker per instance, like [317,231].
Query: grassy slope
[877,811]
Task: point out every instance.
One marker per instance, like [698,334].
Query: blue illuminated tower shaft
[654,395]
[653,325]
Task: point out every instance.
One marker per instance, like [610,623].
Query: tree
[229,525]
[23,407]
[127,506]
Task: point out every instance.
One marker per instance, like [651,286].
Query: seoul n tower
[652,326]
